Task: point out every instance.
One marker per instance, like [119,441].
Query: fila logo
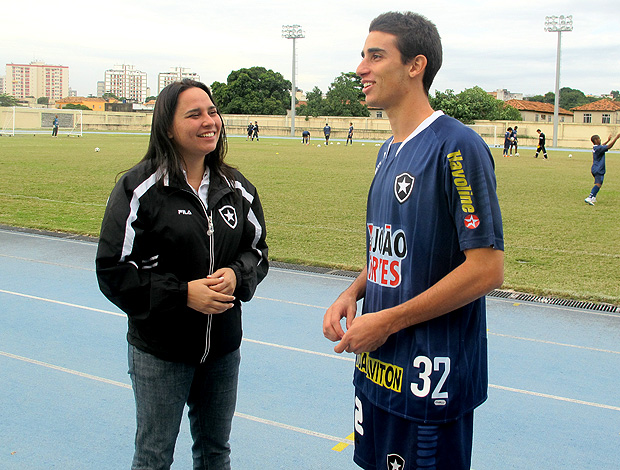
[403,185]
[184,212]
[229,214]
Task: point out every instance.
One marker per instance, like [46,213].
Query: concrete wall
[570,135]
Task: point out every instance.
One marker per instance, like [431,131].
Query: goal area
[488,132]
[22,120]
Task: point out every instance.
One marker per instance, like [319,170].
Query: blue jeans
[161,390]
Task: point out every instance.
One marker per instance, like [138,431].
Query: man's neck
[407,116]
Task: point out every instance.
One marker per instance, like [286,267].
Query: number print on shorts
[359,417]
[427,367]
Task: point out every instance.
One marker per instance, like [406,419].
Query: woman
[182,244]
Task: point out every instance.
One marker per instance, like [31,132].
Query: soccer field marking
[566,252]
[269,422]
[346,358]
[21,196]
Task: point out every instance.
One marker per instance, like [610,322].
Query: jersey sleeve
[471,189]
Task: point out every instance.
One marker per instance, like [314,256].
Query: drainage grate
[554,301]
[313,269]
[496,293]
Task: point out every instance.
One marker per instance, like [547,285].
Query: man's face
[384,77]
[596,140]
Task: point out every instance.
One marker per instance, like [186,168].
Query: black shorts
[384,441]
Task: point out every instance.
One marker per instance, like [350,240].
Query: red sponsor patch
[472,221]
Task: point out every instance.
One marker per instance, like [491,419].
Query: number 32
[428,366]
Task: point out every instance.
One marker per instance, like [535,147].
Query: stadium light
[293,32]
[557,24]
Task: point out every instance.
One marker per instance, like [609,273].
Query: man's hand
[344,307]
[365,334]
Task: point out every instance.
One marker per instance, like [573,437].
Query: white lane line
[306,351]
[64,369]
[333,356]
[50,263]
[554,343]
[294,428]
[58,302]
[555,397]
[256,419]
[290,302]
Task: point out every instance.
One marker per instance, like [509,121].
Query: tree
[110,96]
[76,106]
[344,96]
[8,100]
[43,100]
[314,106]
[253,91]
[473,104]
[569,98]
[615,94]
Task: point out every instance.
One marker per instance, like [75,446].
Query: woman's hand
[203,296]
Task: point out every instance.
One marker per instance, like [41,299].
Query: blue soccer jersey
[598,159]
[433,196]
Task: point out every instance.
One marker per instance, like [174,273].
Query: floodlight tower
[293,32]
[557,24]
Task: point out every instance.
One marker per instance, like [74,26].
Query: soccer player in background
[327,130]
[513,142]
[255,131]
[541,144]
[434,245]
[507,141]
[598,164]
[350,134]
[250,130]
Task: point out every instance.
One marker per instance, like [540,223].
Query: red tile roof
[536,106]
[600,105]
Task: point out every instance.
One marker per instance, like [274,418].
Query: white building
[125,81]
[175,74]
[505,95]
[38,80]
[2,84]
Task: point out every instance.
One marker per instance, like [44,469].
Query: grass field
[314,201]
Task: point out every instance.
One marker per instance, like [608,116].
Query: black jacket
[156,236]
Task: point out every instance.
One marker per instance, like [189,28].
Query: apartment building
[38,80]
[125,81]
[175,74]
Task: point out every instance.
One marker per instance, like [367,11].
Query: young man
[513,142]
[250,130]
[598,164]
[327,130]
[434,248]
[507,141]
[541,144]
[305,137]
[255,130]
[350,135]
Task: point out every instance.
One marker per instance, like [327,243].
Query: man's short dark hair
[416,35]
[594,137]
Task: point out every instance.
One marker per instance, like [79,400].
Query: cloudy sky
[486,43]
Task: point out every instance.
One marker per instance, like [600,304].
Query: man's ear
[418,66]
